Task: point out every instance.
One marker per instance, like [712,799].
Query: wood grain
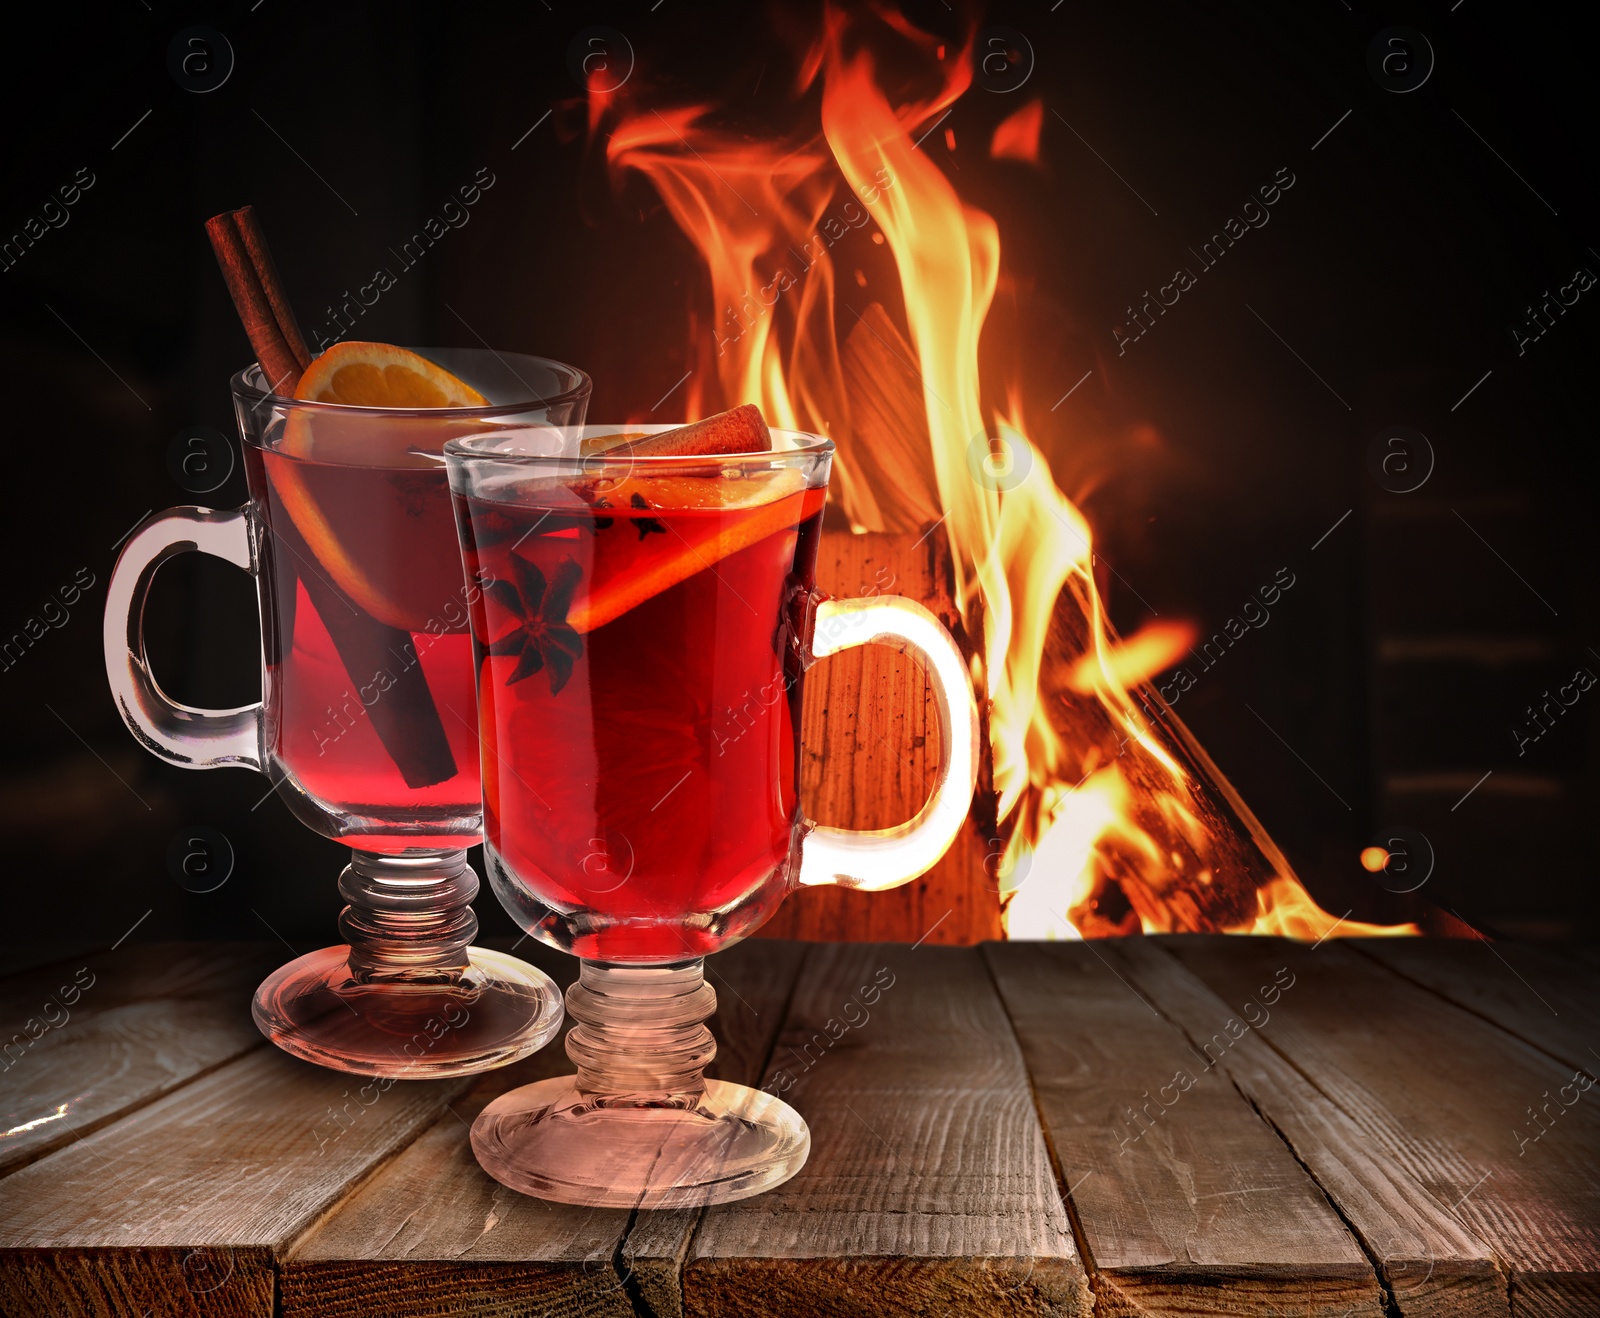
[98,1036]
[929,1188]
[886,458]
[1187,1202]
[870,747]
[1356,1118]
[16,958]
[204,1185]
[431,1234]
[1448,1098]
[1538,994]
[1430,1265]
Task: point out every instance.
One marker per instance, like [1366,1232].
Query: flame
[1017,136]
[1285,909]
[1113,818]
[1153,649]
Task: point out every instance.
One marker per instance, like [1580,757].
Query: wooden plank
[431,1234]
[869,747]
[1188,1203]
[929,1188]
[99,1036]
[1585,954]
[181,1206]
[1430,1265]
[17,958]
[1447,1097]
[1533,991]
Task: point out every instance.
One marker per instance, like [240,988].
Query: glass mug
[641,629]
[366,722]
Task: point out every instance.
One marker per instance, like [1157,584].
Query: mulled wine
[640,674]
[368,649]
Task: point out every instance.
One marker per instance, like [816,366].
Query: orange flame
[1116,820]
[1151,650]
[1017,136]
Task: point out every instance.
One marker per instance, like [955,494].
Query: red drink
[368,651]
[639,695]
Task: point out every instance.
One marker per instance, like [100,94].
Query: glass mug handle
[877,859]
[190,738]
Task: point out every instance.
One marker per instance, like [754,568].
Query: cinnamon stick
[738,430]
[252,279]
[255,244]
[405,718]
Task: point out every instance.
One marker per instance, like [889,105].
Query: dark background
[1395,669]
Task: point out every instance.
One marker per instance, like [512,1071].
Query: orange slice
[777,501]
[392,561]
[382,375]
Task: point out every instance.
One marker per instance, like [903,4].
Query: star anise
[542,636]
[645,524]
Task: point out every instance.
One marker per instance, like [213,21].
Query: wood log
[887,461]
[871,734]
[870,743]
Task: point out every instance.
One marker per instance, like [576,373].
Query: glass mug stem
[640,1039]
[640,1126]
[410,917]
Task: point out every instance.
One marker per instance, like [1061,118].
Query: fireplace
[1218,301]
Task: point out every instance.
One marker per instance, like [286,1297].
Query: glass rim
[464,449]
[254,390]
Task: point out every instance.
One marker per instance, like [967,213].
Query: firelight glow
[1113,819]
[58,1115]
[1373,859]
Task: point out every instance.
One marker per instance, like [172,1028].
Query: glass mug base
[406,997]
[640,1126]
[494,1011]
[553,1141]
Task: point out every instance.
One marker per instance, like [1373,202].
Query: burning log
[1215,856]
[884,451]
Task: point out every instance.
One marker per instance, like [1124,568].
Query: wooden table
[1154,1126]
